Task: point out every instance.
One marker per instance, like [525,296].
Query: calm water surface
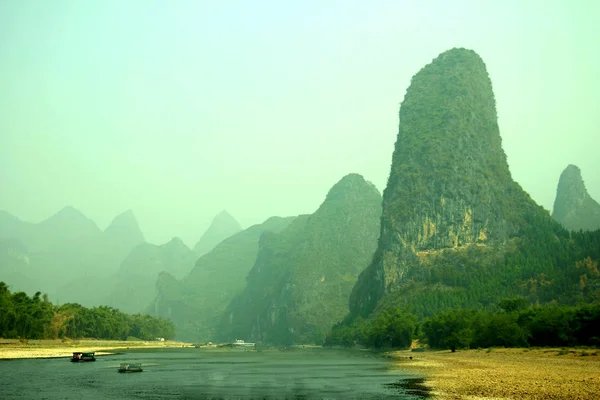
[212,374]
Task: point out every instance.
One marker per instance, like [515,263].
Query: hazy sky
[179,109]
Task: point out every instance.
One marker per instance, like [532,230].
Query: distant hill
[573,206]
[134,285]
[124,233]
[303,276]
[222,227]
[196,303]
[67,251]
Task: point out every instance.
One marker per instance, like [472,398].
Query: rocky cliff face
[573,206]
[222,227]
[300,283]
[449,185]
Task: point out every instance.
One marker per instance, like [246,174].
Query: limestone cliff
[449,186]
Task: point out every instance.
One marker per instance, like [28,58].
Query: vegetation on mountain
[36,317]
[299,286]
[195,304]
[573,207]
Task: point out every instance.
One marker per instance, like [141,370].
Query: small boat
[79,356]
[133,367]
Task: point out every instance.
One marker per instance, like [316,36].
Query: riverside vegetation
[36,317]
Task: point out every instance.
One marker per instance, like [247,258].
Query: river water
[188,373]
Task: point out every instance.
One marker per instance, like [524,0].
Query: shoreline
[15,350]
[498,373]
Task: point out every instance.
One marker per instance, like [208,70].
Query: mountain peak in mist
[125,228]
[222,226]
[176,244]
[69,218]
[573,207]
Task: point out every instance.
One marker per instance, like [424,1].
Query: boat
[83,356]
[130,367]
[241,343]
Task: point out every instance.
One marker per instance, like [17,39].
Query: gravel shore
[507,373]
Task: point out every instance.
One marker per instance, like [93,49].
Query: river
[187,373]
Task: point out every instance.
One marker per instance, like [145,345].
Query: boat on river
[79,356]
[130,367]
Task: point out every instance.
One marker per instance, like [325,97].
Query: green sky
[179,109]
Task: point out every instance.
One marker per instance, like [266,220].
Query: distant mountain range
[68,257]
[68,247]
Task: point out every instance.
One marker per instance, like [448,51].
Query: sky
[180,109]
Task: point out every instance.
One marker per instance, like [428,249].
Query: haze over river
[188,373]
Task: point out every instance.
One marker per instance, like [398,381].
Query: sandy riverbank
[507,373]
[13,349]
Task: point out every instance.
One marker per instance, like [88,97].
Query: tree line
[513,324]
[36,317]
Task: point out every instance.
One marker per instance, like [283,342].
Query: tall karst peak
[125,227]
[222,226]
[573,207]
[449,186]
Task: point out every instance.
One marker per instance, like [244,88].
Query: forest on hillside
[36,317]
[558,308]
[514,324]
